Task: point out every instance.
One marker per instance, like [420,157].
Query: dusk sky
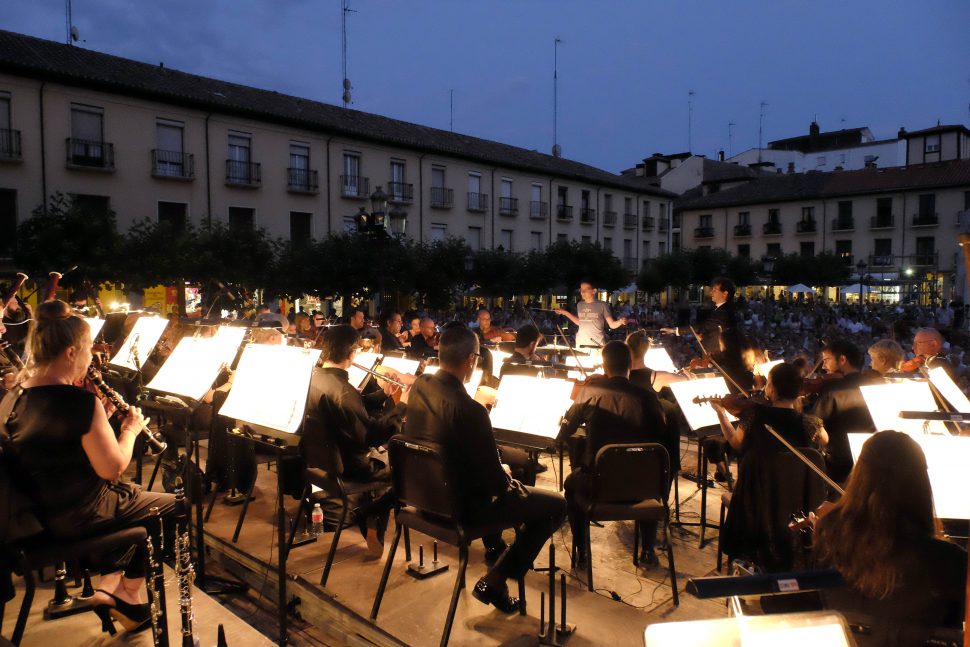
[625,66]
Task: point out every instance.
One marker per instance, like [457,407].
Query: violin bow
[724,373]
[803,458]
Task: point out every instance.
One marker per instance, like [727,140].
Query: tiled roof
[797,187]
[44,59]
[715,171]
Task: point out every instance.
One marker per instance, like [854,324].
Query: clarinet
[155,442]
[155,583]
[184,570]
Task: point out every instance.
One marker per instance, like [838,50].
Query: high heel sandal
[133,617]
[107,624]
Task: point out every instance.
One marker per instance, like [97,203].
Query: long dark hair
[888,503]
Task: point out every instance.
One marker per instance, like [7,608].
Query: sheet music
[531,405]
[143,336]
[357,376]
[658,359]
[471,386]
[401,364]
[498,358]
[270,386]
[946,460]
[949,390]
[95,325]
[195,363]
[699,415]
[885,401]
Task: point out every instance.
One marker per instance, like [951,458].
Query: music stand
[886,401]
[702,421]
[357,377]
[270,391]
[95,324]
[139,343]
[471,386]
[658,359]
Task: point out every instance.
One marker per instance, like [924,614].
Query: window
[843,249]
[744,251]
[438,177]
[662,212]
[882,246]
[301,230]
[239,168]
[628,205]
[607,202]
[169,142]
[820,160]
[646,208]
[438,232]
[646,249]
[87,136]
[807,249]
[476,201]
[173,215]
[931,144]
[773,216]
[5,122]
[744,218]
[705,220]
[845,209]
[562,195]
[506,188]
[661,248]
[808,214]
[8,222]
[926,250]
[584,200]
[474,238]
[774,250]
[627,248]
[535,241]
[352,184]
[299,173]
[884,209]
[241,218]
[505,239]
[536,195]
[927,206]
[397,189]
[608,244]
[560,238]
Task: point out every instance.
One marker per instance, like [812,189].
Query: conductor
[592,316]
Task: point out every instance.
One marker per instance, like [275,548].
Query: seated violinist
[425,344]
[527,339]
[885,356]
[746,531]
[900,573]
[928,350]
[614,411]
[486,333]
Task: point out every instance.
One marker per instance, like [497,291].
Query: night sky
[625,66]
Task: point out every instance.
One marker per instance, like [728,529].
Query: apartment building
[893,226]
[159,144]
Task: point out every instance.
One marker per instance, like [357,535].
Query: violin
[699,362]
[814,385]
[913,365]
[734,403]
[802,522]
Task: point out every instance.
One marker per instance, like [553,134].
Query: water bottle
[316,520]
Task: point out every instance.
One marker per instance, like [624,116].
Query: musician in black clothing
[335,410]
[841,406]
[391,323]
[526,340]
[440,411]
[424,345]
[720,319]
[614,411]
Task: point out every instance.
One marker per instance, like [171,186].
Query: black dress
[47,457]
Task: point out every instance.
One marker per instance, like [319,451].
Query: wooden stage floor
[413,611]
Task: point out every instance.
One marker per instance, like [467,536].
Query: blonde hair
[888,351]
[55,329]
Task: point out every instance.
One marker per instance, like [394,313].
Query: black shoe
[541,467]
[133,617]
[493,553]
[498,597]
[107,623]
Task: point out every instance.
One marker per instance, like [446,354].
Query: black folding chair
[427,493]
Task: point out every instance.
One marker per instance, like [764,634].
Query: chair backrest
[630,473]
[421,478]
[319,448]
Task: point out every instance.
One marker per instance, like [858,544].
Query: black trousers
[122,505]
[540,514]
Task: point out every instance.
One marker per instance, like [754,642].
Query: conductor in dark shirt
[440,411]
[336,412]
[718,320]
[614,411]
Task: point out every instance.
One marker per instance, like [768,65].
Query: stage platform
[413,611]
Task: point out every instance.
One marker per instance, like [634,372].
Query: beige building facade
[156,144]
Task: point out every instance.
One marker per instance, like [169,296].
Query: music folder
[886,401]
[700,415]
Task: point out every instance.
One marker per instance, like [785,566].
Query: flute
[380,376]
[155,443]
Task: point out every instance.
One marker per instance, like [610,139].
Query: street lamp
[768,264]
[861,267]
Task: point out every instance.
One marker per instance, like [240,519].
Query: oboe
[155,582]
[155,443]
[184,570]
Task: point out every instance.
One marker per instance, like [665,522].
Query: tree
[243,256]
[494,272]
[572,262]
[440,274]
[155,253]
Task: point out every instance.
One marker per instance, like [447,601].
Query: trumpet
[155,442]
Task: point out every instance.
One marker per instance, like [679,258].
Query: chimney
[901,134]
[720,155]
[813,129]
[791,167]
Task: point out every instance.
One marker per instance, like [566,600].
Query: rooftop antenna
[451,110]
[72,33]
[690,119]
[556,150]
[344,10]
[731,126]
[761,123]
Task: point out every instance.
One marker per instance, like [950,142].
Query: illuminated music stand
[269,392]
[700,419]
[96,325]
[886,401]
[139,343]
[658,359]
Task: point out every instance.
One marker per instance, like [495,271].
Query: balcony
[400,192]
[538,210]
[508,207]
[243,174]
[629,221]
[663,227]
[609,219]
[10,145]
[355,187]
[846,259]
[648,222]
[805,227]
[87,154]
[587,216]
[881,261]
[477,201]
[882,222]
[742,230]
[564,212]
[771,229]
[630,263]
[930,259]
[302,180]
[843,224]
[704,232]
[926,220]
[442,198]
[173,165]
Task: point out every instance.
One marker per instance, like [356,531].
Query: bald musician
[486,333]
[928,348]
[424,345]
